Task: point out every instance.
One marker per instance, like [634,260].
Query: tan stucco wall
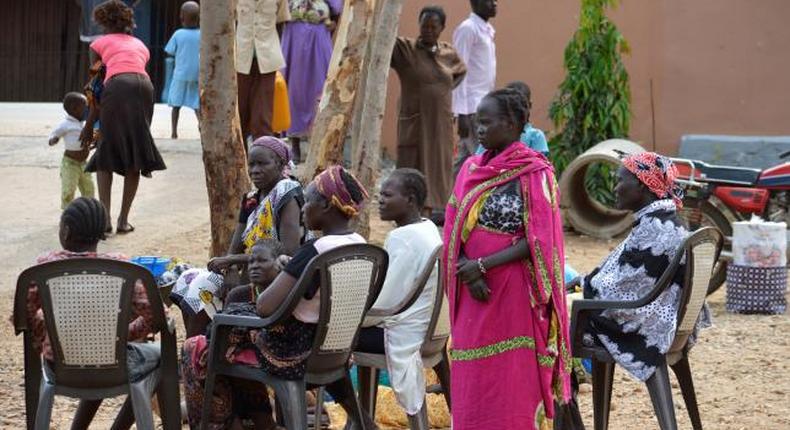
[716,66]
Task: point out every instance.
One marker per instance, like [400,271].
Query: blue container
[384,377]
[570,273]
[155,265]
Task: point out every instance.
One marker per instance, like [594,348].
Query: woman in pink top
[126,146]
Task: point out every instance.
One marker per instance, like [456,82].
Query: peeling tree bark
[367,150]
[343,79]
[220,131]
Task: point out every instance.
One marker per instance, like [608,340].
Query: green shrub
[593,102]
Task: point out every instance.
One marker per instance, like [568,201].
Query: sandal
[129,228]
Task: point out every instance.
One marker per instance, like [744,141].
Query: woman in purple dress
[307,46]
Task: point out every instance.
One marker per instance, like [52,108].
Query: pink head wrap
[278,146]
[330,185]
[658,173]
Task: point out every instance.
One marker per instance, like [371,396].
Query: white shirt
[256,34]
[69,130]
[474,41]
[409,248]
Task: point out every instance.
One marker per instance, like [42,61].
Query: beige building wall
[702,66]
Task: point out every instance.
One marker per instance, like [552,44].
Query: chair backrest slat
[703,256]
[439,327]
[85,311]
[351,281]
[426,274]
[417,288]
[86,304]
[702,250]
[351,277]
[442,329]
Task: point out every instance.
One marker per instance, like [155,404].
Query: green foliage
[593,102]
[599,180]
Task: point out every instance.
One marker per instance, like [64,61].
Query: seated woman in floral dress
[638,338]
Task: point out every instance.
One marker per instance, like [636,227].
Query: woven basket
[756,290]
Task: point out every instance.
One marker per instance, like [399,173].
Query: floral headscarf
[658,173]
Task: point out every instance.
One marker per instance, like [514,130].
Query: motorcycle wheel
[709,216]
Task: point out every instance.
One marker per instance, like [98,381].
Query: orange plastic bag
[281,117]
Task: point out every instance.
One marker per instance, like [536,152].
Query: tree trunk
[367,153]
[337,102]
[360,96]
[220,132]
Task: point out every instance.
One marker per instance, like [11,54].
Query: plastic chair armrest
[168,386]
[382,312]
[582,309]
[238,321]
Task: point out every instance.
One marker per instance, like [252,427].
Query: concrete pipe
[585,214]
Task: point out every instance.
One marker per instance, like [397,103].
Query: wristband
[480,266]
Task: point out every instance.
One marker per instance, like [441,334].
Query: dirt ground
[740,365]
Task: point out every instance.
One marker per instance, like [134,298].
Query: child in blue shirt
[184,45]
[531,137]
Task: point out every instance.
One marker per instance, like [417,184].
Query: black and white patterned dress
[637,338]
[503,210]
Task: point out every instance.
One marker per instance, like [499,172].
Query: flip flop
[120,230]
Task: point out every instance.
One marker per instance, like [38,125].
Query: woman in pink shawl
[504,277]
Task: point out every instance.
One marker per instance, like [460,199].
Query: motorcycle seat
[721,174]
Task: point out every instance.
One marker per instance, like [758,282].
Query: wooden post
[367,153]
[220,132]
[337,102]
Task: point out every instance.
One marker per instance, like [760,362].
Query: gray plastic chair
[701,251]
[87,306]
[433,351]
[350,280]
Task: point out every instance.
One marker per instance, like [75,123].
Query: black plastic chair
[87,305]
[350,280]
[434,354]
[701,251]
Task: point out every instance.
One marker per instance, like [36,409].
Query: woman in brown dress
[428,71]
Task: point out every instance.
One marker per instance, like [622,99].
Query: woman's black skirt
[126,144]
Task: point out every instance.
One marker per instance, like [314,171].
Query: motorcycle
[719,195]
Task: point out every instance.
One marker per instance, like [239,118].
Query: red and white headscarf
[658,173]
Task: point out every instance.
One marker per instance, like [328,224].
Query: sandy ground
[740,366]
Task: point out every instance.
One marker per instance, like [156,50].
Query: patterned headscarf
[279,147]
[658,173]
[330,185]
